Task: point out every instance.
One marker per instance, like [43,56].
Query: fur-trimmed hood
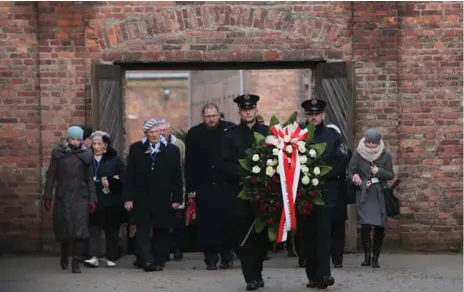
[64,149]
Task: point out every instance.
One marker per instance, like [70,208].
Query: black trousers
[178,232]
[316,246]
[153,249]
[337,243]
[253,251]
[107,220]
[224,247]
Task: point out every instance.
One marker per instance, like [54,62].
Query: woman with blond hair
[370,168]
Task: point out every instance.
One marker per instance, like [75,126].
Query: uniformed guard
[338,184]
[237,140]
[315,245]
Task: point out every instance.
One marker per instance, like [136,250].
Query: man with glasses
[206,185]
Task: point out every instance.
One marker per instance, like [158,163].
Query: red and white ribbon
[289,172]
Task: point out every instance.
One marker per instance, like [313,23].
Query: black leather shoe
[178,255]
[226,265]
[311,284]
[211,267]
[138,264]
[375,263]
[338,266]
[325,282]
[260,283]
[252,286]
[152,268]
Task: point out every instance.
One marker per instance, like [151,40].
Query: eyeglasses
[211,117]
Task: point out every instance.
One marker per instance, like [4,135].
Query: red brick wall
[408,59]
[144,99]
[279,91]
[20,140]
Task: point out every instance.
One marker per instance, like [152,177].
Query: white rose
[255,157]
[255,169]
[305,180]
[315,181]
[302,149]
[317,171]
[303,159]
[286,138]
[278,170]
[270,162]
[305,169]
[274,162]
[312,153]
[275,151]
[270,171]
[289,148]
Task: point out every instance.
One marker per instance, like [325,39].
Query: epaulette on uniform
[230,127]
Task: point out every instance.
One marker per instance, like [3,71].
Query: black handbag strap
[395,184]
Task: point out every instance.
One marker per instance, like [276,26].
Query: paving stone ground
[398,273]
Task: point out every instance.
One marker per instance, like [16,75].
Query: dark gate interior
[333,83]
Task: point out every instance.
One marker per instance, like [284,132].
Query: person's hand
[105,182]
[175,206]
[47,205]
[92,207]
[357,179]
[374,169]
[368,184]
[129,205]
[192,195]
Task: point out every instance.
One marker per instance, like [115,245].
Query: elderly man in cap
[314,242]
[153,189]
[177,235]
[237,140]
[206,185]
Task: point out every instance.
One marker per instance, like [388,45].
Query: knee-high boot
[77,245]
[64,254]
[379,234]
[366,244]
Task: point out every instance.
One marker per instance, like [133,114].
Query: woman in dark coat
[370,168]
[70,175]
[108,171]
[153,189]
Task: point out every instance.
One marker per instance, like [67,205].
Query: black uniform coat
[70,175]
[109,166]
[337,184]
[202,158]
[151,189]
[332,157]
[238,140]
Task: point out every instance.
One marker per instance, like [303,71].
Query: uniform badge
[343,148]
[246,97]
[313,102]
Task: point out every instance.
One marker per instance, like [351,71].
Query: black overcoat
[69,177]
[150,186]
[202,159]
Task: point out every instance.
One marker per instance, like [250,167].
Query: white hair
[98,135]
[164,122]
[335,128]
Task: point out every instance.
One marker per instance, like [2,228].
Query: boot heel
[366,262]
